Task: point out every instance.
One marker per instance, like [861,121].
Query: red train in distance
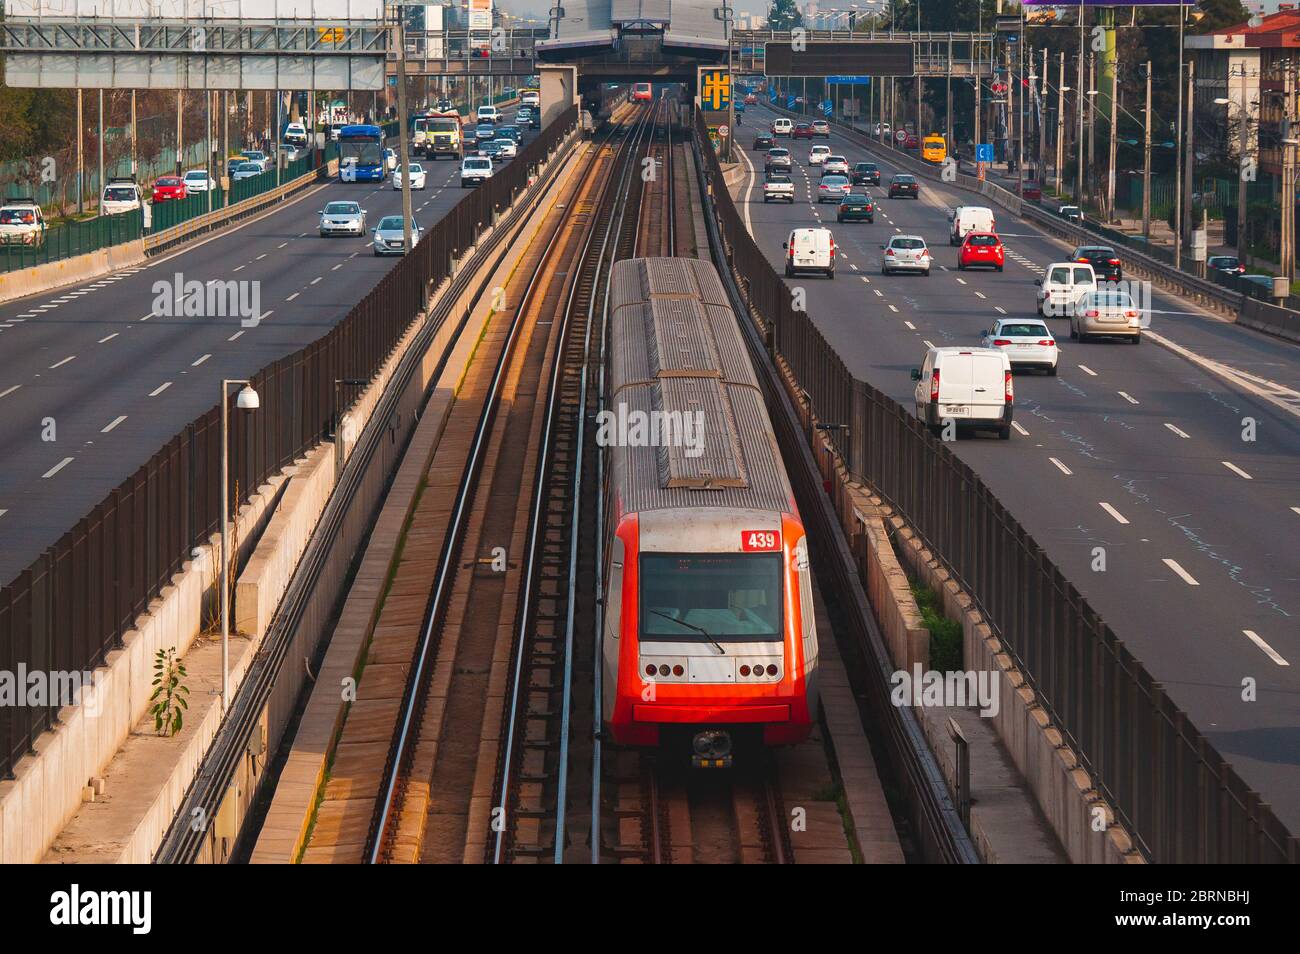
[641,92]
[709,642]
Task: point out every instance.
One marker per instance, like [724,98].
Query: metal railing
[73,605]
[1169,787]
[70,239]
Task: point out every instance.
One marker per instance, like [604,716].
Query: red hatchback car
[981,249]
[803,131]
[168,187]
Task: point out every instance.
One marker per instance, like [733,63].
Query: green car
[855,206]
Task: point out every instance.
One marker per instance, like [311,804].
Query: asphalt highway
[93,382]
[1179,457]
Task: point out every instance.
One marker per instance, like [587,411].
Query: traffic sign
[901,135]
[331,34]
[828,107]
[789,102]
[833,80]
[715,90]
[984,152]
[724,131]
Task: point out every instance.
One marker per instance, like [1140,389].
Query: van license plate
[956,410]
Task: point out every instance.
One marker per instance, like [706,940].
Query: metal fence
[74,604]
[72,238]
[1168,785]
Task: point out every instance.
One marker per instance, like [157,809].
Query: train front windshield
[702,596]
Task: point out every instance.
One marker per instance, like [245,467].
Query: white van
[473,170]
[488,114]
[970,218]
[782,127]
[120,195]
[1061,286]
[809,250]
[971,387]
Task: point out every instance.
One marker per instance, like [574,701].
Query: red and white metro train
[641,92]
[709,637]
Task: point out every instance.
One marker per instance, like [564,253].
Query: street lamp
[246,400]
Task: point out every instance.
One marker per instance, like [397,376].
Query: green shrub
[945,633]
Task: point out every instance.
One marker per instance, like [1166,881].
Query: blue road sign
[789,102]
[834,80]
[984,152]
[828,107]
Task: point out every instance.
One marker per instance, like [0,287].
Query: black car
[1228,264]
[778,159]
[762,142]
[1072,213]
[856,206]
[866,173]
[1102,258]
[904,185]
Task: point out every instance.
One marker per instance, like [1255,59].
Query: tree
[1217,14]
[784,15]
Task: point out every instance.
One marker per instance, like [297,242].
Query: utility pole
[1021,89]
[1178,142]
[99,195]
[1243,248]
[403,153]
[81,165]
[1146,165]
[135,153]
[1114,141]
[1042,126]
[1189,164]
[1287,248]
[1079,94]
[1091,181]
[1060,126]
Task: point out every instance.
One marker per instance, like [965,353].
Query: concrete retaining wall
[70,271]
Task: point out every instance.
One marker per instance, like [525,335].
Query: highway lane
[111,382]
[1137,450]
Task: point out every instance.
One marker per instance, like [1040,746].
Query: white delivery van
[1061,286]
[809,250]
[488,114]
[782,127]
[971,387]
[474,170]
[970,218]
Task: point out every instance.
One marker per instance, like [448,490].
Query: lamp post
[246,400]
[1244,144]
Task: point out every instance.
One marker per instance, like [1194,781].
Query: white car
[473,170]
[342,218]
[417,176]
[1027,343]
[390,160]
[809,250]
[817,155]
[488,114]
[245,170]
[966,388]
[198,180]
[905,253]
[507,148]
[777,188]
[837,165]
[1063,284]
[22,223]
[120,195]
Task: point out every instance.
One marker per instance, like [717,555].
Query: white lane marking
[1128,397]
[109,338]
[928,344]
[56,468]
[893,308]
[7,391]
[3,512]
[1020,429]
[980,295]
[1253,636]
[260,257]
[1296,509]
[962,281]
[1113,512]
[1235,469]
[911,327]
[60,364]
[160,389]
[1087,370]
[315,280]
[852,266]
[336,267]
[200,361]
[1061,467]
[238,267]
[282,245]
[293,296]
[1187,577]
[999,309]
[879,293]
[234,336]
[113,423]
[1178,430]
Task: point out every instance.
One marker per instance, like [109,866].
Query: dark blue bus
[361,154]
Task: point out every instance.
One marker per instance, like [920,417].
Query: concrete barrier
[70,271]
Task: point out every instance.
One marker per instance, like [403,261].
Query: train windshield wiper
[703,632]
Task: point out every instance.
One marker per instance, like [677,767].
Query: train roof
[676,349]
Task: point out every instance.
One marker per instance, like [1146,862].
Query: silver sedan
[390,238]
[342,218]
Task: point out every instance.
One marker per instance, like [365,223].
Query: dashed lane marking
[1250,634]
[1061,467]
[56,468]
[1178,430]
[112,424]
[160,389]
[1187,577]
[1235,469]
[1113,512]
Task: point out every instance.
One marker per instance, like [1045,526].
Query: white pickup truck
[778,187]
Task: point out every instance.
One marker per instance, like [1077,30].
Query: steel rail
[498,853]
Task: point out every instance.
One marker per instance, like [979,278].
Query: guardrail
[1225,294]
[74,604]
[71,239]
[1168,785]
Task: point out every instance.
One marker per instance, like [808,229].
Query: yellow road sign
[715,90]
[331,34]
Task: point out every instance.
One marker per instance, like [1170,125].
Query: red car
[911,142]
[168,187]
[1031,191]
[981,249]
[803,131]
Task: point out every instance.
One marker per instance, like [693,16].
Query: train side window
[807,608]
[614,590]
